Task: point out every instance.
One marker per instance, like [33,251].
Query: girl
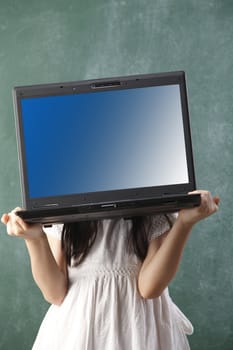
[107,280]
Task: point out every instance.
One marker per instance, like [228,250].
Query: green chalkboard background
[53,41]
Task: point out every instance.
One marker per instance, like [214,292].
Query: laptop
[104,148]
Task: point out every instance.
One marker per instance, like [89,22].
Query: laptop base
[110,210]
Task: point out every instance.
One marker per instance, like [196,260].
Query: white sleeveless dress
[103,309]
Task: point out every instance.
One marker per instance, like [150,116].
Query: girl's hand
[208,206]
[16,227]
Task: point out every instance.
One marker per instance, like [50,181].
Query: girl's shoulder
[54,231]
[156,225]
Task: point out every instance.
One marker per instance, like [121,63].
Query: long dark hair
[78,238]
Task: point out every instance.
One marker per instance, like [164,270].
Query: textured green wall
[53,41]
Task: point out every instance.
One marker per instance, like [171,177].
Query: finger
[15,222]
[216,200]
[22,225]
[14,227]
[18,218]
[212,202]
[206,196]
[5,218]
[16,209]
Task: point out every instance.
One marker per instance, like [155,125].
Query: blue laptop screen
[104,141]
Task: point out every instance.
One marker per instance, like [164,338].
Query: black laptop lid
[108,140]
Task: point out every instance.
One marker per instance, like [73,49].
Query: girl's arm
[164,253]
[48,266]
